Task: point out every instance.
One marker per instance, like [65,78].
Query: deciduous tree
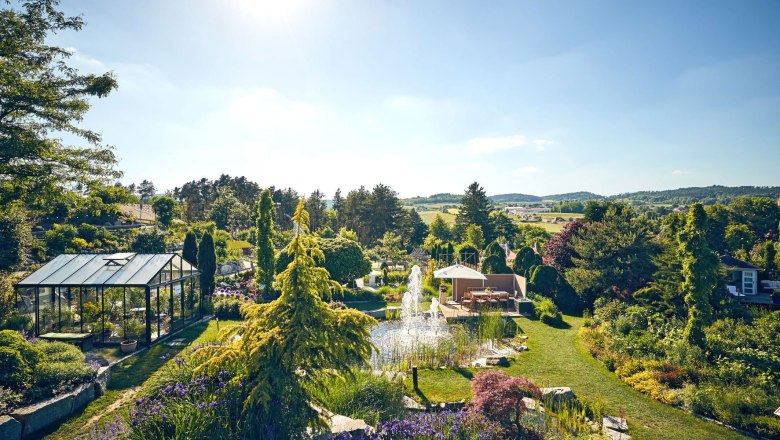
[42,97]
[700,274]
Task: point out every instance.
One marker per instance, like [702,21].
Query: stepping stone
[500,361]
[175,342]
[614,423]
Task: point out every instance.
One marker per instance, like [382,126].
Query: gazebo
[108,296]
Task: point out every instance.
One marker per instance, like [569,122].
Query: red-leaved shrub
[500,396]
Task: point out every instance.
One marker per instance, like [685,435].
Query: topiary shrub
[548,312]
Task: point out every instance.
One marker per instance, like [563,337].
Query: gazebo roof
[113,270]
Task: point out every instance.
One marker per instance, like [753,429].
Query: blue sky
[537,97]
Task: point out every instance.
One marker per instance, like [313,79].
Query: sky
[536,97]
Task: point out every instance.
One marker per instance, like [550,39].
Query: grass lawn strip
[128,377]
[558,358]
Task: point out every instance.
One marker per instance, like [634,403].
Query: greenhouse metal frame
[113,297]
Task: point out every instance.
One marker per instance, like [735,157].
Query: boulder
[44,414]
[102,379]
[10,428]
[616,435]
[532,405]
[614,423]
[356,428]
[557,394]
[497,361]
[412,405]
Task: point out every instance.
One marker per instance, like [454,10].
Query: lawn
[429,216]
[128,377]
[557,358]
[552,228]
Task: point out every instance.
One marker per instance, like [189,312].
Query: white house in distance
[520,210]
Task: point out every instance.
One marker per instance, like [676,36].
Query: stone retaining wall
[35,419]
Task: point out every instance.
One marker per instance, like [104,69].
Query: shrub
[9,399]
[548,312]
[499,396]
[51,378]
[766,426]
[698,400]
[15,373]
[645,382]
[397,277]
[227,307]
[18,322]
[61,352]
[366,396]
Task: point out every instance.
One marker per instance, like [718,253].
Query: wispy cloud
[679,172]
[530,169]
[486,145]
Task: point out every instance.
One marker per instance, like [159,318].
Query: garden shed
[111,297]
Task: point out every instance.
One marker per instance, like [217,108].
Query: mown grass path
[556,357]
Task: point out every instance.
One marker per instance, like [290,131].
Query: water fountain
[417,330]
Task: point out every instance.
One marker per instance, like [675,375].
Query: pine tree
[291,345]
[207,260]
[338,206]
[700,274]
[190,250]
[265,245]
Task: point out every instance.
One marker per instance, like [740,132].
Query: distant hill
[573,196]
[436,198]
[706,194]
[682,196]
[514,198]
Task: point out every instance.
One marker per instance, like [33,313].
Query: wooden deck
[451,311]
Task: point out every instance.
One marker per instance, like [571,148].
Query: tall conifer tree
[207,260]
[265,245]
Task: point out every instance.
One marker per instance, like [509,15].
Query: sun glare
[270,10]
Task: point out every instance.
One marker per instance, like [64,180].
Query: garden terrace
[111,297]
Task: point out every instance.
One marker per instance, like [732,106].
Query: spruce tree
[700,274]
[207,259]
[291,346]
[190,250]
[475,209]
[265,245]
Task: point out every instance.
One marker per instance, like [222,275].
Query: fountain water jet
[416,330]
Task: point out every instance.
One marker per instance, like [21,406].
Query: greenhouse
[109,298]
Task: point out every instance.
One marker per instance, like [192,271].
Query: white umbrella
[459,271]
